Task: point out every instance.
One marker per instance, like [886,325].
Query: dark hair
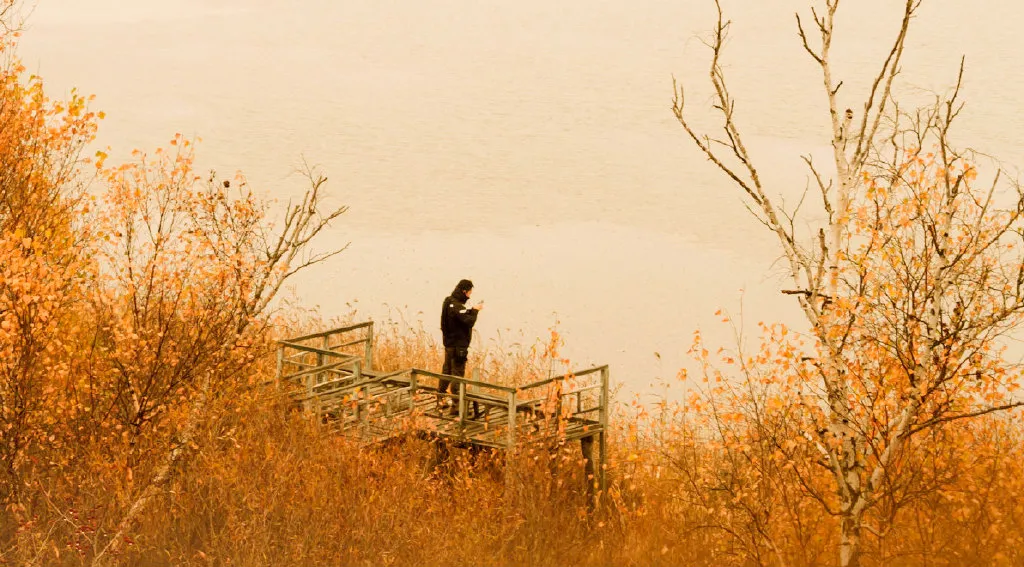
[464,285]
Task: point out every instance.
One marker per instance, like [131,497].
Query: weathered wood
[325,342]
[316,350]
[293,359]
[460,379]
[462,405]
[337,331]
[348,344]
[602,436]
[315,370]
[302,364]
[534,401]
[586,411]
[387,377]
[587,447]
[512,419]
[349,397]
[280,367]
[567,376]
[368,352]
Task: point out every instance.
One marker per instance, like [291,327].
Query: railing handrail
[565,394]
[461,380]
[339,330]
[316,350]
[390,375]
[351,343]
[566,376]
[319,369]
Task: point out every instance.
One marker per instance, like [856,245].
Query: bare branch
[890,68]
[803,38]
[931,423]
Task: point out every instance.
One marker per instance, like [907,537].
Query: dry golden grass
[264,485]
[269,487]
[277,490]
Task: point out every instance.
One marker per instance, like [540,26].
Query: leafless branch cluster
[910,263]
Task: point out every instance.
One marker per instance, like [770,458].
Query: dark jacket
[457,320]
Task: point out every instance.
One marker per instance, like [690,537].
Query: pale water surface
[527,145]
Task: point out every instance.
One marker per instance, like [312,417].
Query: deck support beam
[603,435]
[589,474]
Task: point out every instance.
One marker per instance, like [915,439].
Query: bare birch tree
[909,284]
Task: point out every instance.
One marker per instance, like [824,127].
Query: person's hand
[479,306]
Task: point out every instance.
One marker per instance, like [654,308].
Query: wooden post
[589,475]
[476,407]
[280,367]
[462,406]
[357,392]
[603,435]
[356,407]
[511,439]
[309,379]
[368,353]
[412,390]
[325,343]
[511,420]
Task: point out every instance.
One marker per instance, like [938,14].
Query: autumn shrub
[737,455]
[132,299]
[269,485]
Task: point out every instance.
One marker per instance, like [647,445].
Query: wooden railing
[338,356]
[336,380]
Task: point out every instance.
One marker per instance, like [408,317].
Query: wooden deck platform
[333,376]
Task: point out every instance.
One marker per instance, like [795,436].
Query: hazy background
[527,145]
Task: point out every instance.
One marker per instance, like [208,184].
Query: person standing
[457,322]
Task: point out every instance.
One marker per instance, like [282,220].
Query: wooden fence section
[332,375]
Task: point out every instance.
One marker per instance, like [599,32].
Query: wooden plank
[460,379]
[462,405]
[316,370]
[350,343]
[512,420]
[338,385]
[579,374]
[290,359]
[601,439]
[390,376]
[342,381]
[316,350]
[337,331]
[280,368]
[368,354]
[484,397]
[582,390]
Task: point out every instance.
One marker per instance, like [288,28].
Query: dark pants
[454,365]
